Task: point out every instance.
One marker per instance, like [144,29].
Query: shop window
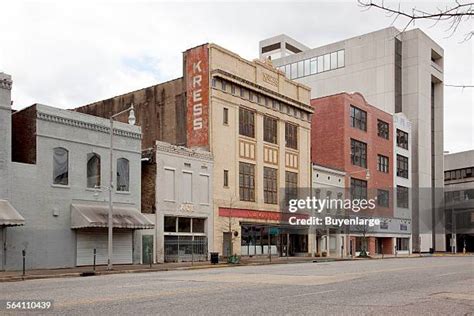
[184,224]
[170,224]
[198,225]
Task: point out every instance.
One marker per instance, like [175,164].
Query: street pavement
[411,286]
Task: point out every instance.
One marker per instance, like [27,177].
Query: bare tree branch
[454,15]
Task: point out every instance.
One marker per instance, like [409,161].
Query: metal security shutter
[87,241]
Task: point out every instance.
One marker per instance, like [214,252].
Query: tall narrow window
[246,122]
[226,178]
[247,182]
[93,170]
[123,175]
[402,139]
[358,118]
[225,118]
[358,189]
[269,129]
[358,153]
[60,166]
[291,136]
[402,166]
[270,186]
[187,187]
[291,186]
[382,163]
[402,196]
[382,129]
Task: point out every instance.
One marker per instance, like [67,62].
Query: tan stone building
[256,124]
[260,138]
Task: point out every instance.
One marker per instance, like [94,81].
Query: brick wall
[148,187]
[160,110]
[24,135]
[331,141]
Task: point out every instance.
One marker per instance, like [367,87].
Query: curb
[17,278]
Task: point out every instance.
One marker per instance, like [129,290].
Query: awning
[9,216]
[93,215]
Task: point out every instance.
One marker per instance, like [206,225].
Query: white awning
[9,216]
[93,215]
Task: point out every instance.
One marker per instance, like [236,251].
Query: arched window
[93,170]
[123,174]
[60,166]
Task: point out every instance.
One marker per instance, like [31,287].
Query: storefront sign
[243,213]
[197,89]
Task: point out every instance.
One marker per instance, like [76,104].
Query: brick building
[256,124]
[350,135]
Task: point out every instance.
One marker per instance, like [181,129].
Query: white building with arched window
[60,184]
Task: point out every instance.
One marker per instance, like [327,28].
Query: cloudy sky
[68,54]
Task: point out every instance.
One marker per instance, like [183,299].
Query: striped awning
[9,216]
[96,216]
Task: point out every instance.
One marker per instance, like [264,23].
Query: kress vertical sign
[197,91]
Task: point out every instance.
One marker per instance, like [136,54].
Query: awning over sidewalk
[9,216]
[93,215]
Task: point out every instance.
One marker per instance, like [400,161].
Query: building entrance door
[226,246]
[147,249]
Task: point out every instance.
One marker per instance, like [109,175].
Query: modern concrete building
[60,163]
[459,199]
[397,72]
[184,220]
[352,136]
[256,124]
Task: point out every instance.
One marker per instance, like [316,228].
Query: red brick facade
[331,136]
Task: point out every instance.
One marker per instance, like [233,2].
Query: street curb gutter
[17,278]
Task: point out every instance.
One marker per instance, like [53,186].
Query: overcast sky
[67,55]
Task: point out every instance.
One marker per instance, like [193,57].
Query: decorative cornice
[6,84]
[85,125]
[295,103]
[183,151]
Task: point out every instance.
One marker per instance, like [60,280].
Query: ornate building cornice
[85,125]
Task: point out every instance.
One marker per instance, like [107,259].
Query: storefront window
[198,225]
[184,225]
[170,224]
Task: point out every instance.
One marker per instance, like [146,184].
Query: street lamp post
[131,121]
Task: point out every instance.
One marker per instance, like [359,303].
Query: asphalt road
[414,286]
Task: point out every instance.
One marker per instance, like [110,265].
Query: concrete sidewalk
[7,276]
